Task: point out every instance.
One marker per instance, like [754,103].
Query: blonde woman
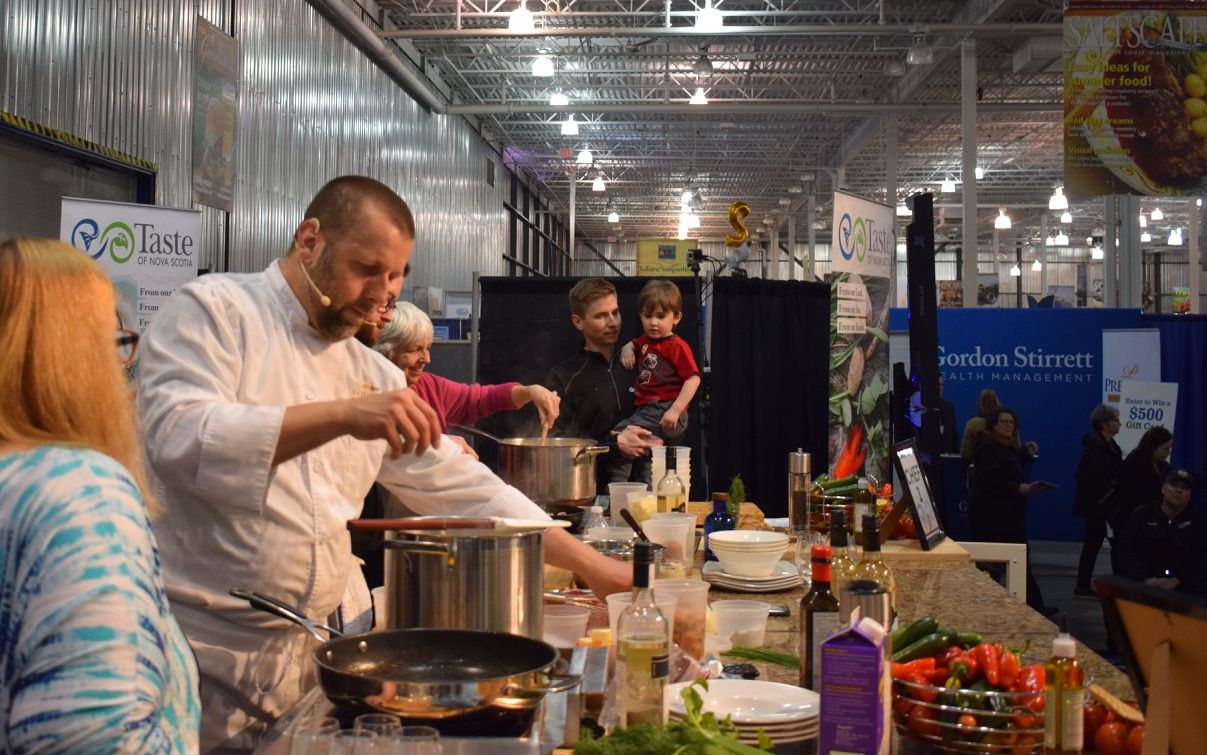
[93,660]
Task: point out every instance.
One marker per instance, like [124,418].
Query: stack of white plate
[784,577]
[785,713]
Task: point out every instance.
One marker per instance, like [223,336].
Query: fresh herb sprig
[737,496]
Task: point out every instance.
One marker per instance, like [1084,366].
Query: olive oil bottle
[1064,697]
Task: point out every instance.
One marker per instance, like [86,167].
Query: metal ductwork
[1037,53]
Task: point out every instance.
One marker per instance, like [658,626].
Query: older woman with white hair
[406,340]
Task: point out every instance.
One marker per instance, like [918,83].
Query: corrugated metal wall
[311,107]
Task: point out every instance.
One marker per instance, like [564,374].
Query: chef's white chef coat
[219,365]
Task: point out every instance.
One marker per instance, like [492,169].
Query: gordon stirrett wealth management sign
[1018,365]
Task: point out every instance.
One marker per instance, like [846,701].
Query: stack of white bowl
[748,553]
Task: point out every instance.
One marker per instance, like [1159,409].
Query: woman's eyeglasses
[127,344]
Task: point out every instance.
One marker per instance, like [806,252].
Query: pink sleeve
[465,404]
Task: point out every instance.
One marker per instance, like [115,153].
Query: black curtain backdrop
[525,330]
[769,386]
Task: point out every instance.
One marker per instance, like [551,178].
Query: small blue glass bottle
[718,521]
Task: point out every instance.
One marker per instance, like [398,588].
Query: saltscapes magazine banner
[1135,98]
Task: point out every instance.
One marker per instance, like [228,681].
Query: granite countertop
[957,595]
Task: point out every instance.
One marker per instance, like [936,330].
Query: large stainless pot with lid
[462,573]
[548,470]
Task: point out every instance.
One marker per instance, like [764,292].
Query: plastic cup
[564,625]
[742,622]
[381,607]
[618,495]
[691,612]
[677,535]
[642,505]
[618,601]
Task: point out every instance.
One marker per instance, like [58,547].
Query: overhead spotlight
[1050,241]
[1089,240]
[1037,265]
[795,189]
[613,217]
[520,19]
[559,99]
[598,184]
[1175,237]
[784,201]
[1015,271]
[709,18]
[1145,237]
[894,68]
[920,53]
[698,98]
[903,211]
[685,197]
[1143,221]
[542,67]
[1060,240]
[1157,214]
[949,186]
[1096,253]
[1066,217]
[585,157]
[1058,201]
[693,221]
[1002,221]
[979,172]
[569,127]
[703,66]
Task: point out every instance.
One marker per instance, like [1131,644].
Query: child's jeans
[648,416]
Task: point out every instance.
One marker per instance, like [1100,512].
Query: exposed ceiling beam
[783,30]
[763,107]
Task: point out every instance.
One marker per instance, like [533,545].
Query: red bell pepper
[947,656]
[923,691]
[917,666]
[1031,679]
[1008,664]
[988,658]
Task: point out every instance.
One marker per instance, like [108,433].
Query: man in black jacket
[596,390]
[1163,544]
[1096,473]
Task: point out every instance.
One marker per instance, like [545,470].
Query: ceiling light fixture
[542,66]
[1050,241]
[1143,221]
[1058,200]
[903,211]
[1060,240]
[894,68]
[703,66]
[613,217]
[1175,237]
[1037,265]
[1145,237]
[1096,253]
[949,186]
[598,184]
[1015,271]
[569,127]
[585,157]
[521,19]
[1002,221]
[795,189]
[979,172]
[559,99]
[919,53]
[1157,214]
[1066,217]
[708,19]
[685,197]
[698,98]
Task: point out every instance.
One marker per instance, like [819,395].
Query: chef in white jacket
[265,424]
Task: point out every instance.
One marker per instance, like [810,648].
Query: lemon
[1199,125]
[1195,107]
[1195,86]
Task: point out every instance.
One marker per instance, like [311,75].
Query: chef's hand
[465,446]
[548,404]
[605,576]
[670,418]
[403,419]
[634,441]
[628,355]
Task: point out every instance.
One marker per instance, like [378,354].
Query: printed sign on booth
[148,251]
[1144,404]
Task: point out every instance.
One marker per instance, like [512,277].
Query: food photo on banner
[1135,94]
[860,435]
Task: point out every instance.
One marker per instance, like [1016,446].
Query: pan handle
[557,683]
[285,611]
[582,456]
[448,550]
[422,523]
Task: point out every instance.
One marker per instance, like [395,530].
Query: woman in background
[93,660]
[1096,473]
[1141,476]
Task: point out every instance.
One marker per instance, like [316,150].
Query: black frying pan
[462,682]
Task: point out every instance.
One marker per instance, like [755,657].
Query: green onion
[768,656]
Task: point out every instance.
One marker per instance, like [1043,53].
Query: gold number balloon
[737,213]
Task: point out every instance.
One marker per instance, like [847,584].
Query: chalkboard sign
[917,487]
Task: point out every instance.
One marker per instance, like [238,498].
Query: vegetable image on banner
[860,297]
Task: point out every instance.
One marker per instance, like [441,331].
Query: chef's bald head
[342,204]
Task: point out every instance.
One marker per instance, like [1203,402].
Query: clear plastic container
[618,495]
[691,612]
[742,622]
[565,624]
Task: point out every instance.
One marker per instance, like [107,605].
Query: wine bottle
[872,565]
[841,562]
[671,492]
[818,618]
[642,650]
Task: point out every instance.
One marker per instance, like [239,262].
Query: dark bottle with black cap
[642,650]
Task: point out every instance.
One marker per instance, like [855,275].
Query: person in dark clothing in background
[595,389]
[1140,478]
[1096,473]
[997,504]
[1165,544]
[951,440]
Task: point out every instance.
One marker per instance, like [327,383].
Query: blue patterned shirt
[93,661]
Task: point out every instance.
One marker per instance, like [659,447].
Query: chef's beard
[336,322]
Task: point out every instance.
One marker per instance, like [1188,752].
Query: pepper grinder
[800,466]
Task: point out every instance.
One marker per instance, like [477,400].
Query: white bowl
[747,563]
[749,538]
[739,548]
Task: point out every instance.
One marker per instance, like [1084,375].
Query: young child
[667,375]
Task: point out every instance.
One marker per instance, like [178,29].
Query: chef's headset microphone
[323,298]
